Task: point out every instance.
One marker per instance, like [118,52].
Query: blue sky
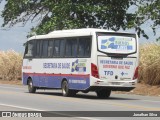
[13,38]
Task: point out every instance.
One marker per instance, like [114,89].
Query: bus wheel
[66,91]
[104,93]
[31,88]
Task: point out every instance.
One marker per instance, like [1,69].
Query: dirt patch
[143,89]
[12,82]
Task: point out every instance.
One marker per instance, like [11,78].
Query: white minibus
[81,60]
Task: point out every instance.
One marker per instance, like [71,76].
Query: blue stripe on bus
[76,81]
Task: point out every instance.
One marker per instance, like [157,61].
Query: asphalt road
[17,98]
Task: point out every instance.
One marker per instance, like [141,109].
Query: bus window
[50,48]
[87,47]
[37,51]
[84,47]
[45,48]
[68,48]
[56,47]
[116,43]
[81,48]
[26,49]
[29,49]
[62,48]
[71,47]
[74,48]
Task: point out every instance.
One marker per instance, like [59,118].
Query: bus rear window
[116,44]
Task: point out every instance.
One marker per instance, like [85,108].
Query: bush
[10,65]
[149,70]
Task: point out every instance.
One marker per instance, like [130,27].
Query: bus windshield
[116,44]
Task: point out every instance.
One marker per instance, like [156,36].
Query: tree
[148,11]
[65,14]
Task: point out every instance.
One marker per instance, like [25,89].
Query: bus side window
[84,47]
[62,48]
[87,47]
[56,48]
[38,46]
[29,49]
[26,49]
[68,48]
[81,48]
[50,48]
[45,48]
[74,48]
[71,47]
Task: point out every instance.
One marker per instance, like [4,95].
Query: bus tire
[31,88]
[104,93]
[66,91]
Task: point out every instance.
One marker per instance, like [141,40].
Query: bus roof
[71,33]
[83,30]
